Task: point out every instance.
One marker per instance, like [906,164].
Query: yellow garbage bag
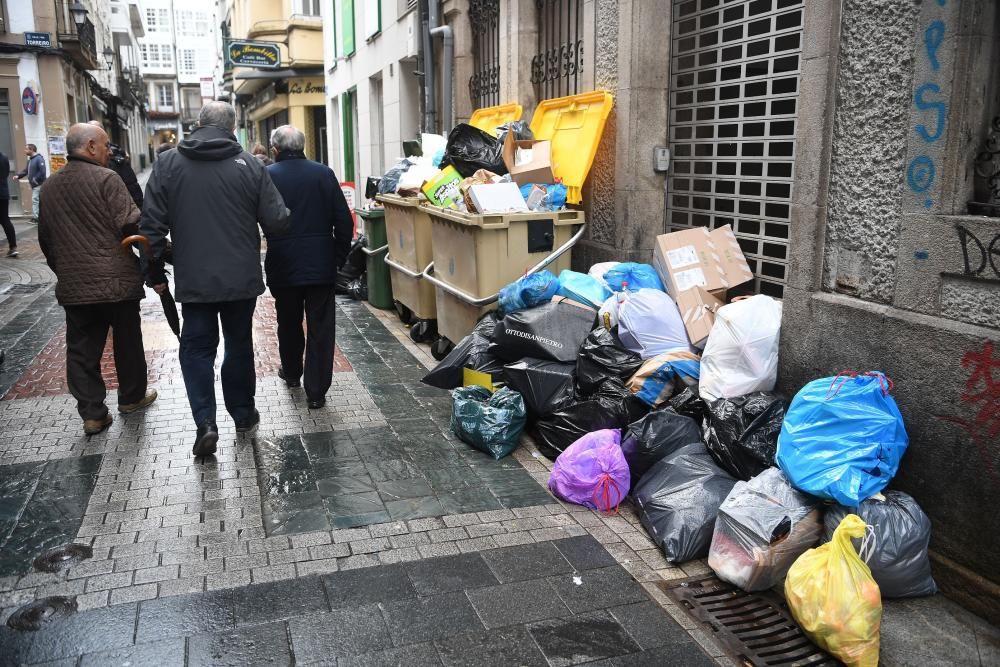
[833,596]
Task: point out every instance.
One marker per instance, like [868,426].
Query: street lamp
[79,13]
[109,57]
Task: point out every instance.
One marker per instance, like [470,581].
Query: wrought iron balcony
[82,45]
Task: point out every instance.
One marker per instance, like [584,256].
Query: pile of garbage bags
[611,386]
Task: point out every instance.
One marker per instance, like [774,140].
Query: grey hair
[288,138]
[218,114]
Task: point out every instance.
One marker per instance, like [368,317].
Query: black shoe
[316,404]
[12,252]
[243,427]
[292,384]
[205,441]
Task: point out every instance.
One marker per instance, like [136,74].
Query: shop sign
[207,88]
[263,55]
[29,101]
[305,87]
[41,39]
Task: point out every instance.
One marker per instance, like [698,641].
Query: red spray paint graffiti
[982,395]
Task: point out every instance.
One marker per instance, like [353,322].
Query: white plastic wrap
[598,270]
[649,324]
[763,526]
[741,355]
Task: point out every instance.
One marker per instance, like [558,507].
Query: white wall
[20,16]
[34,125]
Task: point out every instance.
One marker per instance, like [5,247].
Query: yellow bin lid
[574,125]
[489,119]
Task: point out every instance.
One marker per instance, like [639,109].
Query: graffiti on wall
[931,113]
[981,400]
[982,258]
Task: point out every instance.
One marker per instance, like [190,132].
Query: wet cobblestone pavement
[360,534]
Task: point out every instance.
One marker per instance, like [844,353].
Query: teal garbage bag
[633,276]
[583,288]
[492,423]
[528,292]
[843,437]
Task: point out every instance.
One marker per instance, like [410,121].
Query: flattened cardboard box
[538,170]
[699,258]
[698,308]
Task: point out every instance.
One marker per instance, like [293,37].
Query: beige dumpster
[408,228]
[474,256]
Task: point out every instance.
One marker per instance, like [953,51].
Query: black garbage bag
[553,331]
[470,149]
[601,357]
[471,352]
[354,266]
[678,500]
[612,406]
[689,404]
[390,180]
[656,435]
[898,560]
[742,432]
[520,128]
[545,385]
[491,423]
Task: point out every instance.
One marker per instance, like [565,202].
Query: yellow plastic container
[488,119]
[477,255]
[408,231]
[574,125]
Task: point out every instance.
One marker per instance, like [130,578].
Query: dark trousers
[318,342]
[199,344]
[5,222]
[86,335]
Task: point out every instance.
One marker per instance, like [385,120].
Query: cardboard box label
[681,257]
[691,278]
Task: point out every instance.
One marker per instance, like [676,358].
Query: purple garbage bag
[592,472]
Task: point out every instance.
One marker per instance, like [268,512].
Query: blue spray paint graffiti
[921,172]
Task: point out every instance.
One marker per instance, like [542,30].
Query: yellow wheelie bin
[488,119]
[408,230]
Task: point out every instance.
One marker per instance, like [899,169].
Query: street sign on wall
[261,55]
[41,39]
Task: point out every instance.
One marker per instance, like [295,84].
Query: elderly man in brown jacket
[84,212]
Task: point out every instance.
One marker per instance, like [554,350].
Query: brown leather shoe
[144,403]
[95,426]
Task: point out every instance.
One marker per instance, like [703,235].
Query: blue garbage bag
[528,292]
[633,276]
[554,199]
[843,438]
[583,288]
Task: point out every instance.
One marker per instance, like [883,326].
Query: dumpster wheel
[440,348]
[423,331]
[405,314]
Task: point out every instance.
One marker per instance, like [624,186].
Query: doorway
[7,147]
[733,114]
[319,135]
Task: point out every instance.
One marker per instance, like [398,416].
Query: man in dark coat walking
[84,213]
[209,195]
[302,264]
[8,226]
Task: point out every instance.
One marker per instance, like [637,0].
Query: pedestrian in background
[210,195]
[260,153]
[85,212]
[118,162]
[8,227]
[302,264]
[36,174]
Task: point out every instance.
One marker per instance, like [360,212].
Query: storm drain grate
[754,628]
[62,557]
[34,615]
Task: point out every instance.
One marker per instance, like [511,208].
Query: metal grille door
[733,104]
[484,85]
[557,68]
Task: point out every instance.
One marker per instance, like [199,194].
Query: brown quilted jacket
[83,212]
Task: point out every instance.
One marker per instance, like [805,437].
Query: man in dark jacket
[36,174]
[8,227]
[119,163]
[85,211]
[302,264]
[209,195]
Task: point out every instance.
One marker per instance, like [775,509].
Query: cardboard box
[442,190]
[537,169]
[497,198]
[698,258]
[698,308]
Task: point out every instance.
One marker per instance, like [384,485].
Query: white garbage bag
[649,324]
[598,270]
[607,315]
[741,355]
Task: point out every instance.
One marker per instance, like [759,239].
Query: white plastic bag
[607,315]
[649,324]
[741,355]
[598,270]
[763,526]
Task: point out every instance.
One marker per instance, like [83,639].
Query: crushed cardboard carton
[528,161]
[497,198]
[698,308]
